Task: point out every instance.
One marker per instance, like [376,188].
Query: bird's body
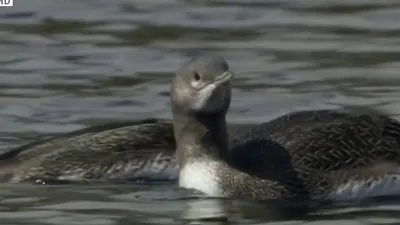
[328,154]
[113,152]
[322,154]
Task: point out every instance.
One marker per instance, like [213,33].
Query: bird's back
[112,151]
[312,151]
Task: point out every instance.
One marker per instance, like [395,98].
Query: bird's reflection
[229,211]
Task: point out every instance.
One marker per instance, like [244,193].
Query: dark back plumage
[308,151]
[327,139]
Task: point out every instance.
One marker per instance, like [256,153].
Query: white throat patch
[201,176]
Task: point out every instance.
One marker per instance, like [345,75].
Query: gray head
[202,86]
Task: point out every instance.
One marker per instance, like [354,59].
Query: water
[68,64]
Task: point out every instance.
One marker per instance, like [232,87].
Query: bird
[112,152]
[303,155]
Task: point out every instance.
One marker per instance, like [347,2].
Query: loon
[304,155]
[119,151]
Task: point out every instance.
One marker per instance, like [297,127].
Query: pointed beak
[224,77]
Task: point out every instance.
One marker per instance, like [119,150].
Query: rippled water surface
[68,64]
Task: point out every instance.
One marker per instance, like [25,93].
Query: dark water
[68,64]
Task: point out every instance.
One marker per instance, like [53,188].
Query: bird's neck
[200,137]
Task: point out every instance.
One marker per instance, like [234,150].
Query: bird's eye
[196,76]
